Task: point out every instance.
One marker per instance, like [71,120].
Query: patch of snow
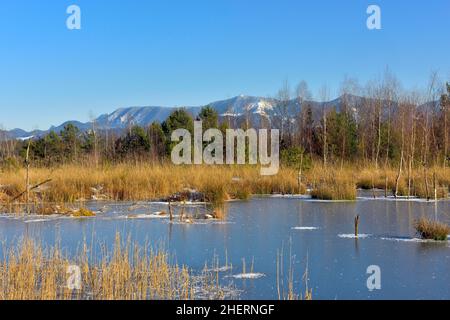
[352,236]
[231,114]
[200,222]
[37,220]
[160,202]
[399,239]
[220,269]
[143,216]
[305,228]
[249,275]
[193,203]
[25,138]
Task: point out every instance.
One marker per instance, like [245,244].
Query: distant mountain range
[237,108]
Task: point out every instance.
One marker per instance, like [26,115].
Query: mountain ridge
[237,107]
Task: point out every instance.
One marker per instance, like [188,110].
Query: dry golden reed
[429,229]
[143,181]
[30,272]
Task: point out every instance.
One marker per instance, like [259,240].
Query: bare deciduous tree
[324,97]
[282,111]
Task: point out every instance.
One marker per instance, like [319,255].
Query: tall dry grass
[31,272]
[340,182]
[285,277]
[413,184]
[146,182]
[429,229]
[334,185]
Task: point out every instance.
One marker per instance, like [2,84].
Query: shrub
[428,229]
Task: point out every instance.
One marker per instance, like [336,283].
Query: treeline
[383,128]
[93,146]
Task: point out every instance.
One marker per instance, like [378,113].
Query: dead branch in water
[24,192]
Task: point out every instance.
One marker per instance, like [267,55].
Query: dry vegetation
[435,230]
[144,182]
[31,272]
[413,184]
[217,183]
[334,185]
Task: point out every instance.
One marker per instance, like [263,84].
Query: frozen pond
[317,233]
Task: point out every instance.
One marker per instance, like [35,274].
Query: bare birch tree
[324,96]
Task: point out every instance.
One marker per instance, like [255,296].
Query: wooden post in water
[170,211]
[356,225]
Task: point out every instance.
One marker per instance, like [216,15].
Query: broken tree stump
[356,225]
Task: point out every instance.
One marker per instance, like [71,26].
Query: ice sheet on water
[34,218]
[401,199]
[291,196]
[143,216]
[327,201]
[200,222]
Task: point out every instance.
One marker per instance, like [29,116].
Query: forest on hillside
[386,126]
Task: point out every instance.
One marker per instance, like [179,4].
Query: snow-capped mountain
[243,105]
[238,108]
[123,117]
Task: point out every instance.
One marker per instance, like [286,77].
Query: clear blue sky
[168,53]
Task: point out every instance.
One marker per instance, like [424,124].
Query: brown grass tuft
[335,186]
[428,229]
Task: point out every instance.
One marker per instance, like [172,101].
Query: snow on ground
[405,239]
[143,216]
[250,275]
[352,236]
[38,220]
[304,228]
[200,222]
[220,269]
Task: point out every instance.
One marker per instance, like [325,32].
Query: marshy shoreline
[212,184]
